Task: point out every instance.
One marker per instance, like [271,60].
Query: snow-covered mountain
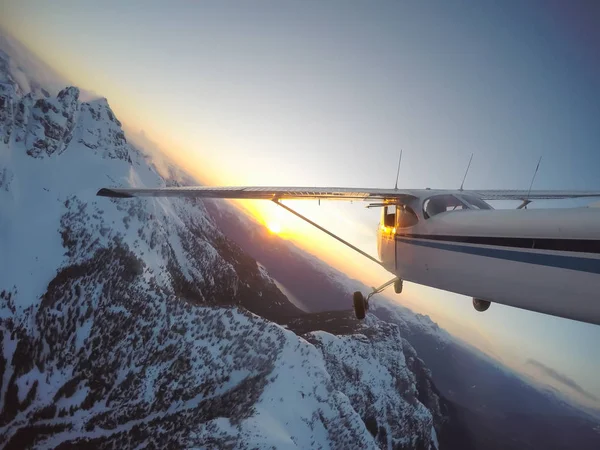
[482,403]
[136,322]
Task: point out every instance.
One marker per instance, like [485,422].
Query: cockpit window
[442,203]
[389,216]
[399,216]
[474,202]
[406,217]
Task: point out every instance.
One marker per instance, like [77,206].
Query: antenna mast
[466,172]
[526,201]
[398,171]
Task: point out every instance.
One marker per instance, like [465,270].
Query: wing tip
[105,192]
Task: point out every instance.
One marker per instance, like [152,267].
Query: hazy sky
[307,93]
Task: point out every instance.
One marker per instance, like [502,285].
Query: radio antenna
[526,201]
[398,171]
[466,172]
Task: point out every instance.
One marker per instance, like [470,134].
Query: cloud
[28,69]
[561,378]
[19,77]
[166,166]
[30,72]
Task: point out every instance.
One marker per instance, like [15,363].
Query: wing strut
[306,219]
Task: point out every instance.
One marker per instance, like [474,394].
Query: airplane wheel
[360,305]
[481,305]
[398,286]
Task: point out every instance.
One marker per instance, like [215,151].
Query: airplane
[543,260]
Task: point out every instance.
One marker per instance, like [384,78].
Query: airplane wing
[329,193]
[533,195]
[259,193]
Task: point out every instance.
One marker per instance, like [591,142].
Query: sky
[327,93]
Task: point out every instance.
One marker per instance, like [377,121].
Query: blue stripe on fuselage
[542,259]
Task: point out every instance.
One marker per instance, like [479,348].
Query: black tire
[481,305]
[398,286]
[359,305]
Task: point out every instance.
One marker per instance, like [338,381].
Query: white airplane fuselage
[545,260]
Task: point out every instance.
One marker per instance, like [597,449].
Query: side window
[389,216]
[406,217]
[441,203]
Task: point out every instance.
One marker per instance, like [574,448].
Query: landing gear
[481,305]
[361,305]
[398,286]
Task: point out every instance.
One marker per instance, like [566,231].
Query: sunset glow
[274,227]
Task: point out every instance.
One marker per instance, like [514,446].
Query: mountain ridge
[127,323]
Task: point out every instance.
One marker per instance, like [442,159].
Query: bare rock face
[110,139]
[372,370]
[46,125]
[51,124]
[86,370]
[8,91]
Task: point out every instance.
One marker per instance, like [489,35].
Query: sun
[274,227]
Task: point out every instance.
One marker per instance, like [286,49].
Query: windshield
[442,203]
[474,202]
